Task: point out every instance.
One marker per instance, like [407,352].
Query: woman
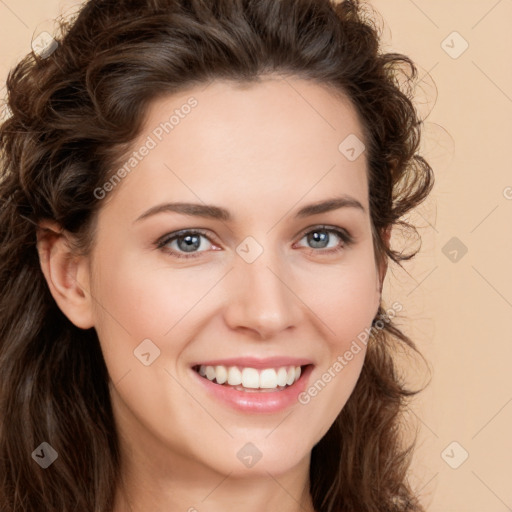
[197,201]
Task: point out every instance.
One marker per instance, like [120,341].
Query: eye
[321,237]
[187,243]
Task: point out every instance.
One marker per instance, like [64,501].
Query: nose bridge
[260,296]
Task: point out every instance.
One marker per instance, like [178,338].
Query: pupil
[319,237]
[192,242]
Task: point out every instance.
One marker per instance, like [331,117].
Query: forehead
[247,145]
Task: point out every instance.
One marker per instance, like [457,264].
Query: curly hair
[73,115]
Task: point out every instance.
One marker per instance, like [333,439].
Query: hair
[74,113]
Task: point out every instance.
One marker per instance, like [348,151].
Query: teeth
[221,374]
[210,372]
[282,373]
[268,379]
[234,376]
[250,378]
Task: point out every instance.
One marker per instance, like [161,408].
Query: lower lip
[254,401]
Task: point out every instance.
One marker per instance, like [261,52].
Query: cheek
[346,300]
[138,302]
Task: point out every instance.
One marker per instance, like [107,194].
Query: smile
[251,379]
[252,384]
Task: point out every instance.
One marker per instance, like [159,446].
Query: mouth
[253,385]
[252,380]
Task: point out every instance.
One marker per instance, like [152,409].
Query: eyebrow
[219,213]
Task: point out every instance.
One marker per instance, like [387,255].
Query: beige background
[458,312]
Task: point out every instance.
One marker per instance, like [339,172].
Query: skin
[261,151]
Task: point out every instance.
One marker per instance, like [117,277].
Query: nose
[261,297]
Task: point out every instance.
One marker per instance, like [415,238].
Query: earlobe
[386,235]
[382,275]
[66,274]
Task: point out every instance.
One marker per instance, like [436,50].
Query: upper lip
[257,363]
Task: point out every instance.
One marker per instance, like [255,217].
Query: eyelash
[345,237]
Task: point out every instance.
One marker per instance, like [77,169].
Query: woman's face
[267,284]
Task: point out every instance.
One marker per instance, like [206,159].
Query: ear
[386,235]
[67,275]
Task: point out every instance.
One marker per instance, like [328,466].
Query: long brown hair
[73,114]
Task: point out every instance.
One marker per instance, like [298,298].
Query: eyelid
[346,238]
[173,235]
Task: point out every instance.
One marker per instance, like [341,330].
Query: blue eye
[321,236]
[189,242]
